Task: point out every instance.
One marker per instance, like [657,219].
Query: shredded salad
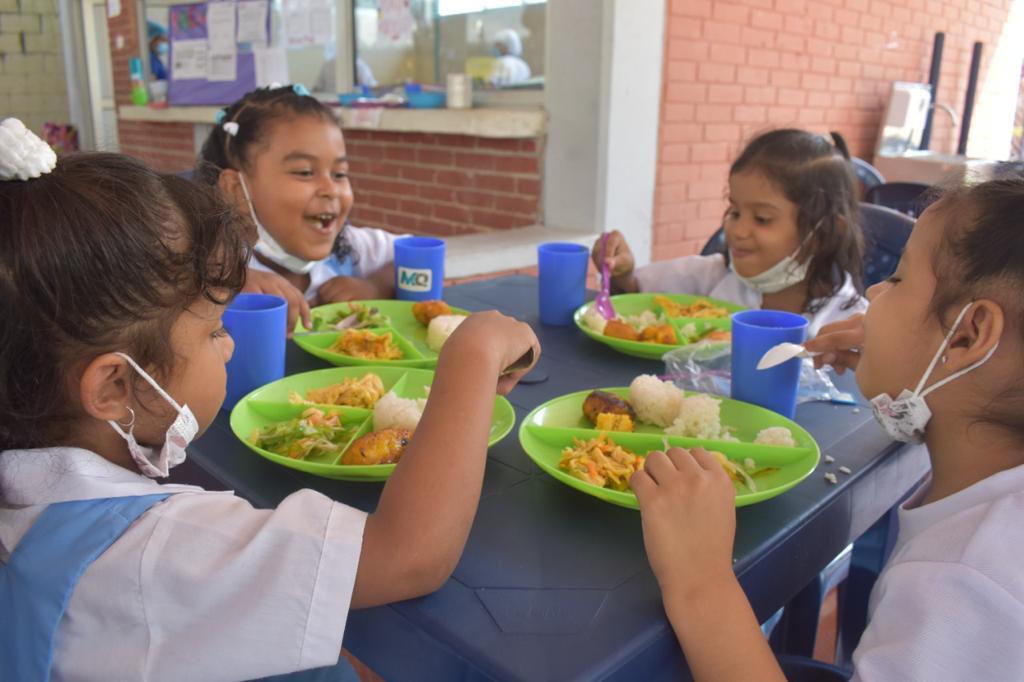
[601,462]
[311,435]
[357,316]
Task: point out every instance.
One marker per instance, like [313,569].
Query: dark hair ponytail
[252,116]
[815,173]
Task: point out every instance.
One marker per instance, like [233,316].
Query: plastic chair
[906,197]
[716,243]
[885,234]
[868,175]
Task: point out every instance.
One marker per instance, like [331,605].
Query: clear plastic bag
[707,368]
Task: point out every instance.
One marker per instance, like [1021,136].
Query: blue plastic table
[554,584]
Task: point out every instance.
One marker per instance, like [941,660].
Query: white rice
[699,417]
[775,435]
[655,401]
[440,328]
[392,412]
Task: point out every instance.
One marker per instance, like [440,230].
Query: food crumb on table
[856,410]
[829,459]
[831,478]
[845,470]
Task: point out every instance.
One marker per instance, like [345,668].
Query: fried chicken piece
[659,333]
[603,402]
[380,447]
[425,311]
[620,330]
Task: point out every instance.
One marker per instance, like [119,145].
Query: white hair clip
[231,128]
[22,154]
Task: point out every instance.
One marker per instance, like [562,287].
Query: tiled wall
[444,184]
[32,81]
[736,68]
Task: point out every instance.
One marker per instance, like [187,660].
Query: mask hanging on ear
[179,434]
[906,417]
[268,247]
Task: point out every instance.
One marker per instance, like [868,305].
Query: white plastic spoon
[776,355]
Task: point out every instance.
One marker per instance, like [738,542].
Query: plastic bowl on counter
[426,99]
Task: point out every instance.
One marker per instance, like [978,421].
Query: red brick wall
[167,147]
[734,69]
[444,184]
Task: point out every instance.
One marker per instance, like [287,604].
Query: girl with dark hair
[113,280]
[278,155]
[949,604]
[791,234]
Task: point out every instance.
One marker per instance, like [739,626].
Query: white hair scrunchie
[231,128]
[23,155]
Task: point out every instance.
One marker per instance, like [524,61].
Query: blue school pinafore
[37,582]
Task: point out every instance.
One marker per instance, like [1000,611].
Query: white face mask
[906,417]
[784,274]
[268,247]
[179,434]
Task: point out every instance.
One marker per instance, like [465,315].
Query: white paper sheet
[252,22]
[220,27]
[298,23]
[322,23]
[189,59]
[221,66]
[113,8]
[271,65]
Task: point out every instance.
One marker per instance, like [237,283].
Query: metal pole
[972,86]
[933,81]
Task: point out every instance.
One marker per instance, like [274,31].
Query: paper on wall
[222,66]
[252,22]
[298,23]
[271,65]
[220,27]
[188,59]
[321,21]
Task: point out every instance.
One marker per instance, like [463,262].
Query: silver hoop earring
[943,359]
[131,421]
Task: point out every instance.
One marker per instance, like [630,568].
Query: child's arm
[620,263]
[413,540]
[262,282]
[687,506]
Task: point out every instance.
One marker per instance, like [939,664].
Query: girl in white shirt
[113,280]
[278,154]
[949,605]
[791,234]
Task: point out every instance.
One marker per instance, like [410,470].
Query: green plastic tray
[550,428]
[634,304]
[269,404]
[408,334]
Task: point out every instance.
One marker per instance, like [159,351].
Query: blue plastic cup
[562,280]
[753,333]
[419,268]
[257,324]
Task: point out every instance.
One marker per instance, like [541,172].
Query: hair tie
[300,89]
[231,128]
[22,154]
[221,115]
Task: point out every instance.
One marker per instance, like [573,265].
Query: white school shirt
[202,586]
[372,249]
[710,276]
[949,604]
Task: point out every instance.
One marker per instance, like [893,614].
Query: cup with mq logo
[419,268]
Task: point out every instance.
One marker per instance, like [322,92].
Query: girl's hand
[344,288]
[688,511]
[262,282]
[617,254]
[496,342]
[839,344]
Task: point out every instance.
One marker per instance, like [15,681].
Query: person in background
[159,49]
[791,229]
[509,67]
[278,154]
